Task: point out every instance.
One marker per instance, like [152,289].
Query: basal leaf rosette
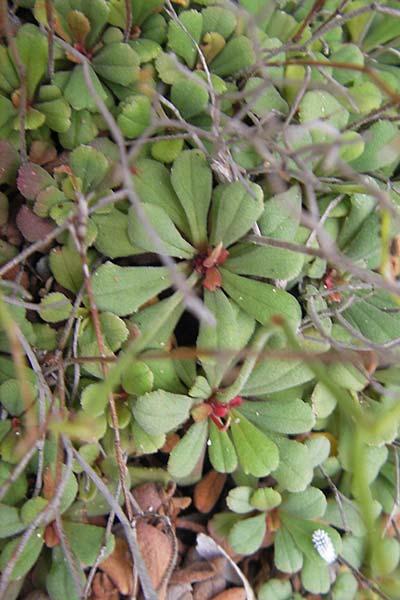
[201,229]
[294,522]
[113,64]
[234,426]
[46,106]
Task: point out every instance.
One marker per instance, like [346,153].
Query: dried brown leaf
[208,490]
[149,496]
[118,567]
[236,593]
[196,571]
[157,552]
[103,588]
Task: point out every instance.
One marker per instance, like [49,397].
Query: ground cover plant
[199,310]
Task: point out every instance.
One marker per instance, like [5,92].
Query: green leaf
[236,207]
[168,311]
[191,179]
[33,119]
[246,536]
[32,50]
[94,399]
[188,451]
[315,576]
[381,143]
[293,416]
[83,130]
[287,556]
[275,589]
[221,451]
[146,50]
[166,151]
[10,521]
[76,92]
[236,56]
[165,375]
[12,398]
[122,290]
[263,98]
[112,234]
[375,316]
[145,443]
[261,300]
[86,541]
[258,454]
[302,531]
[222,336]
[9,80]
[167,67]
[295,469]
[113,329]
[265,499]
[189,97]
[17,490]
[56,110]
[26,559]
[310,504]
[90,166]
[385,556]
[55,307]
[180,38]
[318,104]
[264,261]
[173,243]
[135,116]
[281,217]
[60,583]
[32,508]
[219,20]
[323,401]
[153,186]
[65,264]
[345,587]
[274,375]
[7,115]
[238,499]
[137,379]
[117,63]
[159,412]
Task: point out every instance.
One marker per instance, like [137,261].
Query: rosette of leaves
[113,63]
[46,107]
[201,228]
[227,52]
[21,511]
[290,519]
[238,429]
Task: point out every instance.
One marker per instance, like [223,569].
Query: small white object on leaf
[324,546]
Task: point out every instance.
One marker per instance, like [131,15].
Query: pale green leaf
[236,207]
[191,179]
[122,290]
[159,412]
[257,453]
[261,300]
[173,244]
[188,451]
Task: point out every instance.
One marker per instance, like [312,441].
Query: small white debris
[208,442]
[324,546]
